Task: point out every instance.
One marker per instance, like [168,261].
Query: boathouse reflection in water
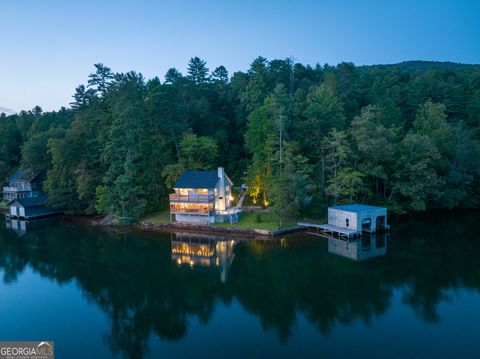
[203,250]
[366,247]
[21,227]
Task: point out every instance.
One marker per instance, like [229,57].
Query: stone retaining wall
[244,232]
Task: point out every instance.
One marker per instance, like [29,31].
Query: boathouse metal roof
[30,201]
[356,207]
[197,179]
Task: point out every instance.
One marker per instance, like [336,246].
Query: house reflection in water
[21,227]
[203,250]
[366,247]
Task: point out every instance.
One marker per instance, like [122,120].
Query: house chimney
[221,189]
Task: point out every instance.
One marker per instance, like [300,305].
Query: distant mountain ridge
[419,65]
[6,111]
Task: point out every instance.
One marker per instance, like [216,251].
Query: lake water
[98,294]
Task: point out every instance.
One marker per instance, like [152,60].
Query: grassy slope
[161,217]
[253,220]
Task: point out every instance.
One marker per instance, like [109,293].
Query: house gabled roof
[30,201]
[23,174]
[197,179]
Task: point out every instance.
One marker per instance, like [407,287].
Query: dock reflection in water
[22,227]
[369,246]
[203,250]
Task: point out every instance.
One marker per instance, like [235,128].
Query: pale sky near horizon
[48,48]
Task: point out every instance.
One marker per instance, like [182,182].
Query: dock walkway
[330,230]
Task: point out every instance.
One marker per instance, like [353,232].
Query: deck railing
[191,211]
[201,198]
[17,189]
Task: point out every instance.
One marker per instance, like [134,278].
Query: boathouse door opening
[366,225]
[380,225]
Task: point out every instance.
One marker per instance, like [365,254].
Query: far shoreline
[246,233]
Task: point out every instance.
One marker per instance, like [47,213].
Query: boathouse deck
[330,230]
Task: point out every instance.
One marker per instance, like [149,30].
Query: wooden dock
[328,230]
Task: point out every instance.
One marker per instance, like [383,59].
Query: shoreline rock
[244,232]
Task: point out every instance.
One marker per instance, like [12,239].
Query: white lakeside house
[203,197]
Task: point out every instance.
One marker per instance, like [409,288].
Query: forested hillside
[302,137]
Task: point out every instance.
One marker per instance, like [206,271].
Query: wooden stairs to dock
[233,217]
[241,196]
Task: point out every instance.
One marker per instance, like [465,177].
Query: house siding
[337,217]
[194,219]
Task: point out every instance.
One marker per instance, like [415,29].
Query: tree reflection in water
[145,286]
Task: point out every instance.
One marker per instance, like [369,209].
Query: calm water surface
[99,294]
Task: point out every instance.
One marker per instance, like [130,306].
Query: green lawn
[161,217]
[252,220]
[319,220]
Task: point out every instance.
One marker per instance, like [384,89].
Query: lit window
[227,188]
[202,191]
[183,191]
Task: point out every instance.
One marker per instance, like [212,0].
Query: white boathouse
[358,217]
[351,220]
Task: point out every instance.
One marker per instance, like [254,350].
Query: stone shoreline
[244,232]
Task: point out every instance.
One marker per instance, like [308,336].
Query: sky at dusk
[48,48]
